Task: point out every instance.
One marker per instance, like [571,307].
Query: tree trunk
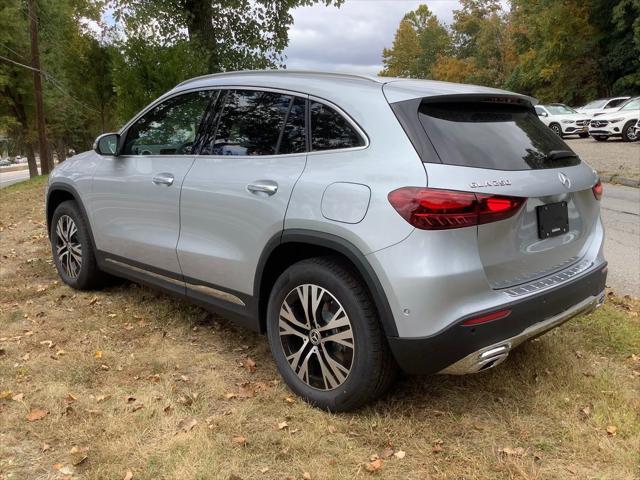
[199,15]
[31,159]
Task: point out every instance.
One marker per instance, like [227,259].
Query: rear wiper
[558,154]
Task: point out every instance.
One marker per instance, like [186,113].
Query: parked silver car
[364,224]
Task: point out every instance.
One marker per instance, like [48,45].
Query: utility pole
[45,158]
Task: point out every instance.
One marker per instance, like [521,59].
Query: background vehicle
[360,222]
[620,123]
[601,106]
[563,120]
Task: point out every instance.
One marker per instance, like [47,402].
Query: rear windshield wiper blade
[558,154]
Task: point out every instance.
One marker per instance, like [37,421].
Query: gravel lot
[613,157]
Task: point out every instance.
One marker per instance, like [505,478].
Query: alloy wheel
[556,129]
[316,336]
[68,246]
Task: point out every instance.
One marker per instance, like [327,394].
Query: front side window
[169,128]
[632,105]
[330,130]
[560,109]
[248,122]
[540,111]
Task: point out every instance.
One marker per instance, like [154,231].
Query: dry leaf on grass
[282,425]
[187,424]
[239,440]
[306,476]
[612,430]
[374,465]
[36,414]
[97,354]
[5,394]
[512,452]
[18,397]
[249,364]
[128,475]
[400,454]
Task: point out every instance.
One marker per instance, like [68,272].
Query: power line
[54,81]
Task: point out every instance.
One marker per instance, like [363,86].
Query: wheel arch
[294,245]
[61,192]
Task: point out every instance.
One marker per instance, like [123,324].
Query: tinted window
[631,105]
[248,122]
[330,130]
[293,136]
[615,103]
[491,135]
[169,128]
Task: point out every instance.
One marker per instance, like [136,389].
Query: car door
[235,196]
[136,195]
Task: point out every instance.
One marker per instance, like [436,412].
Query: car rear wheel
[71,248]
[629,133]
[555,127]
[325,335]
[600,138]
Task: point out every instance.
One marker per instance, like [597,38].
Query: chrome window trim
[173,94]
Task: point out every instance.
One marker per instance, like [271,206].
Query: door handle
[163,179]
[263,186]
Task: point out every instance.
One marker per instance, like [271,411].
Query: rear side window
[493,135]
[247,122]
[330,130]
[294,133]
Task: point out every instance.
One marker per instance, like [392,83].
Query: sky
[351,38]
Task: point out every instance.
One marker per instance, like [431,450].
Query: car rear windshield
[501,136]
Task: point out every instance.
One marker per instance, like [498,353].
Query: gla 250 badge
[490,183]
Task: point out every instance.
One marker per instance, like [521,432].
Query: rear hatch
[496,145]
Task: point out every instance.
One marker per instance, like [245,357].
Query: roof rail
[370,78]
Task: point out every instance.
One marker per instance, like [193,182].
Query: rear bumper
[463,349]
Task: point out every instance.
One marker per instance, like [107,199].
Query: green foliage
[570,50]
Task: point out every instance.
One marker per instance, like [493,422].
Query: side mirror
[107,144]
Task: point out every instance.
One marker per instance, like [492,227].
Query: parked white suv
[563,120]
[602,106]
[620,123]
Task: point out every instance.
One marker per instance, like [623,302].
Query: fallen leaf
[104,367]
[239,440]
[98,354]
[230,395]
[18,397]
[512,452]
[290,400]
[128,475]
[282,425]
[306,476]
[70,398]
[36,414]
[387,453]
[93,300]
[48,343]
[374,465]
[5,394]
[612,430]
[187,424]
[249,365]
[45,447]
[264,470]
[400,454]
[586,411]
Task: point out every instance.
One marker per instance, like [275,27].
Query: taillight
[597,190]
[434,209]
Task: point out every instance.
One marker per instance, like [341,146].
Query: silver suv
[365,224]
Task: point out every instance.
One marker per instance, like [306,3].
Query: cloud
[351,38]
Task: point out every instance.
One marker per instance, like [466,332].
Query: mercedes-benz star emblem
[564,180]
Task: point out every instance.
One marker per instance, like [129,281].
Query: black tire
[372,368]
[87,276]
[628,131]
[583,135]
[600,138]
[556,128]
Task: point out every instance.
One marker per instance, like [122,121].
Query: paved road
[9,178]
[621,217]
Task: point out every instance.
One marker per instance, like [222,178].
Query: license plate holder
[553,219]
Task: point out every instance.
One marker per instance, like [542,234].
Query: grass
[123,372]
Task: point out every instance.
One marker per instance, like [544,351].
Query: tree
[228,34]
[419,41]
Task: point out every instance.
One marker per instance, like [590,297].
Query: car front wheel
[629,133]
[556,129]
[71,248]
[325,335]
